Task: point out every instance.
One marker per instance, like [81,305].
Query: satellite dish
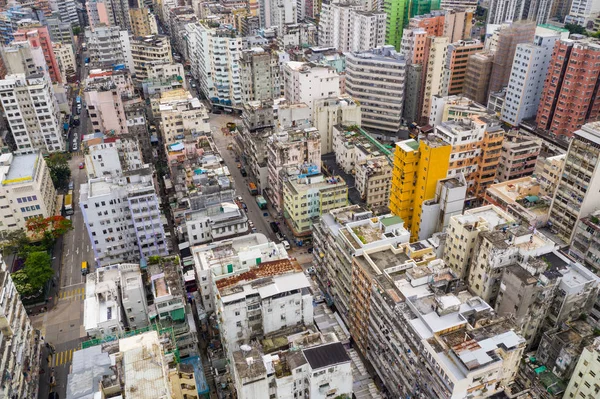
[246,348]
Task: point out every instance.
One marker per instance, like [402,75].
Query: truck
[261,201]
[69,203]
[252,188]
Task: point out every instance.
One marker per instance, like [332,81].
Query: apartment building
[432,80]
[476,147]
[38,36]
[521,198]
[562,110]
[377,79]
[500,248]
[342,234]
[115,299]
[526,81]
[413,45]
[260,74]
[65,60]
[143,22]
[477,77]
[110,156]
[283,300]
[22,57]
[148,51]
[374,180]
[318,368]
[308,195]
[20,352]
[330,112]
[456,64]
[519,156]
[99,13]
[104,94]
[307,82]
[42,130]
[214,222]
[509,36]
[585,246]
[228,258]
[584,375]
[290,148]
[60,32]
[547,172]
[351,28]
[215,62]
[583,12]
[449,200]
[123,366]
[108,46]
[574,196]
[352,145]
[181,118]
[426,161]
[455,108]
[123,218]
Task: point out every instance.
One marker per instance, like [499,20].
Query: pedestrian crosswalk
[77,153]
[63,357]
[75,293]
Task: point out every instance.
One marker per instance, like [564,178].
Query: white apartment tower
[376,79]
[20,347]
[306,82]
[583,12]
[348,28]
[527,78]
[109,45]
[32,113]
[576,195]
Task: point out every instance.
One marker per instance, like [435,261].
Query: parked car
[81,165]
[71,185]
[279,236]
[239,165]
[286,244]
[244,206]
[239,198]
[274,227]
[75,147]
[243,172]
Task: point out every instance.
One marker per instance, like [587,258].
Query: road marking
[73,294]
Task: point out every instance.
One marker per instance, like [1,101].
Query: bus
[84,268]
[69,203]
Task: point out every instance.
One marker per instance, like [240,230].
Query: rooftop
[326,355]
[18,168]
[266,269]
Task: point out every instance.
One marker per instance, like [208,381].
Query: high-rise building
[519,156]
[454,108]
[477,77]
[583,381]
[508,39]
[583,12]
[397,13]
[260,74]
[148,51]
[66,61]
[348,28]
[143,22]
[564,109]
[576,194]
[21,95]
[22,57]
[456,64]
[417,168]
[585,246]
[306,82]
[38,36]
[433,71]
[330,112]
[108,46]
[454,24]
[103,96]
[67,12]
[99,13]
[526,81]
[501,11]
[26,189]
[376,79]
[218,76]
[20,352]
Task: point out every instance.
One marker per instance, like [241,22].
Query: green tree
[37,271]
[59,170]
[76,30]
[574,28]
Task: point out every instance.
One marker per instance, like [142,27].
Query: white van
[286,244]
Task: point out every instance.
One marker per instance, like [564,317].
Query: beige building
[584,381]
[433,77]
[26,190]
[329,112]
[147,51]
[306,198]
[454,108]
[182,118]
[463,232]
[65,60]
[143,22]
[547,172]
[374,180]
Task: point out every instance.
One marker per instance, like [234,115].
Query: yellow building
[417,168]
[306,198]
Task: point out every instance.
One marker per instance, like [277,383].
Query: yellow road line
[60,359]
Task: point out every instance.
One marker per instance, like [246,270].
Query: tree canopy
[574,28]
[30,280]
[60,172]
